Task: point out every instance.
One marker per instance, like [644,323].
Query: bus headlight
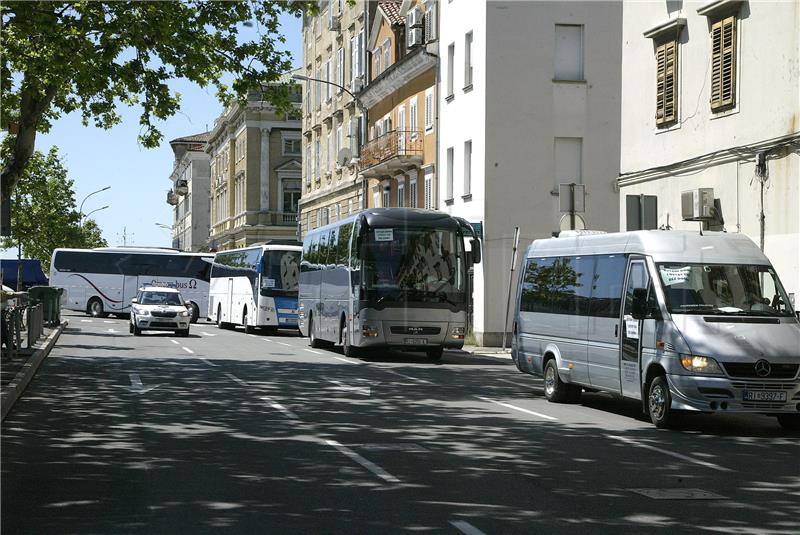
[458,333]
[369,332]
[699,364]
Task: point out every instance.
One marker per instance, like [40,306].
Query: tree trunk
[32,106]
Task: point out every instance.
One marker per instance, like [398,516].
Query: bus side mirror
[476,251]
[639,304]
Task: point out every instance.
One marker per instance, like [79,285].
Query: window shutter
[666,83]
[723,63]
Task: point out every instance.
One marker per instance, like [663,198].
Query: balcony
[392,151]
[398,75]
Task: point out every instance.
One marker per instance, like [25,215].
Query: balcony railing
[394,144]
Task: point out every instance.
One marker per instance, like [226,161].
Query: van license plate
[763,395]
[416,341]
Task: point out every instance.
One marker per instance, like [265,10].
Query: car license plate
[763,395]
[416,341]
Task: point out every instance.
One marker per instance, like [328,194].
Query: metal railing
[18,322]
[390,145]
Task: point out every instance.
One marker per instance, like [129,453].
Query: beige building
[399,159]
[255,174]
[334,59]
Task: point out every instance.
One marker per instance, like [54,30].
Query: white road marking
[281,408]
[113,331]
[510,406]
[86,321]
[514,383]
[137,386]
[369,465]
[187,350]
[363,390]
[466,528]
[207,334]
[253,336]
[345,360]
[266,339]
[107,321]
[410,378]
[670,453]
[234,378]
[285,344]
[209,362]
[175,342]
[313,351]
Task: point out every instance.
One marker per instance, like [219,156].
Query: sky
[139,177]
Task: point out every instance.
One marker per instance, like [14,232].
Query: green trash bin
[50,298]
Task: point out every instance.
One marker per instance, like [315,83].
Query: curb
[20,382]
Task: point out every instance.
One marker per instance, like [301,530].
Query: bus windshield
[414,264]
[280,271]
[744,290]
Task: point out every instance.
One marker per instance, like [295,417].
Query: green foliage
[43,211]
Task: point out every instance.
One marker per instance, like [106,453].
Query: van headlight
[699,364]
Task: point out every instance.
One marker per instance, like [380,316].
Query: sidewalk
[17,372]
[492,352]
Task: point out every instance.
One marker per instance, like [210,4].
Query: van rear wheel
[555,389]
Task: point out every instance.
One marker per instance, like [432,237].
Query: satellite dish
[344,157]
[580,224]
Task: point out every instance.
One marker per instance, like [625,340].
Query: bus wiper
[443,296]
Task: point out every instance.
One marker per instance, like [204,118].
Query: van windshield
[742,290]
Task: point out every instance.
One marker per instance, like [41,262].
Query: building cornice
[669,28]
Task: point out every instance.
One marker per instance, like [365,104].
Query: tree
[43,211]
[60,57]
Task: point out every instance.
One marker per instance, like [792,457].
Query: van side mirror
[639,304]
[476,251]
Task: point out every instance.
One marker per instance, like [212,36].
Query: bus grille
[414,330]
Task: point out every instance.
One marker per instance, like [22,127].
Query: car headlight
[184,314]
[699,364]
[141,311]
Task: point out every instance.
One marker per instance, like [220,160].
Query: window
[412,193]
[387,192]
[568,161]
[349,206]
[340,69]
[451,56]
[308,163]
[609,273]
[318,90]
[291,195]
[328,79]
[428,110]
[376,55]
[338,142]
[468,60]
[666,83]
[429,189]
[412,118]
[317,160]
[387,53]
[468,168]
[328,153]
[343,249]
[430,23]
[375,197]
[569,52]
[401,194]
[308,92]
[291,146]
[723,64]
[449,174]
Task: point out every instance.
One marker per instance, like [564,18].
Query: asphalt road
[235,433]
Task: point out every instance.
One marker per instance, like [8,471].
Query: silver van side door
[631,331]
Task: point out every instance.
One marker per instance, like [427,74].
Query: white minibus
[680,320]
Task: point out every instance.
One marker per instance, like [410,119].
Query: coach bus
[256,286]
[104,280]
[387,278]
[677,320]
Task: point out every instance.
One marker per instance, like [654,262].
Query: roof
[391,10]
[195,138]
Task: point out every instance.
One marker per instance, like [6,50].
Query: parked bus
[256,286]
[681,321]
[387,278]
[104,280]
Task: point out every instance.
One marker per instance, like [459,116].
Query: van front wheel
[555,389]
[659,403]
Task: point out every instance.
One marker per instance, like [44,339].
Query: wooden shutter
[666,83]
[723,63]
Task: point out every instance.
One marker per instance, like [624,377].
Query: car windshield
[744,290]
[414,264]
[161,298]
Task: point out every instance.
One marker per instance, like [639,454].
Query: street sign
[477,228]
[572,198]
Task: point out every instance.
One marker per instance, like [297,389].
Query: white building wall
[766,116]
[463,119]
[513,115]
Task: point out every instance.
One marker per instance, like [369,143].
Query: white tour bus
[387,278]
[104,280]
[256,286]
[679,320]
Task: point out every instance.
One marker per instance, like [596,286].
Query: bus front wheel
[347,349]
[95,308]
[247,328]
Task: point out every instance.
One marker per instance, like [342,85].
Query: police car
[159,309]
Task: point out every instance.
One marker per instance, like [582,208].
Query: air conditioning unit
[414,18]
[181,187]
[414,37]
[333,24]
[697,204]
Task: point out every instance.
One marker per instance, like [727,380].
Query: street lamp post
[80,210]
[84,218]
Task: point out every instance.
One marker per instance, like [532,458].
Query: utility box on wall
[697,204]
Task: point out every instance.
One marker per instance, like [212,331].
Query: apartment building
[711,93]
[398,161]
[189,194]
[528,104]
[334,66]
[256,167]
